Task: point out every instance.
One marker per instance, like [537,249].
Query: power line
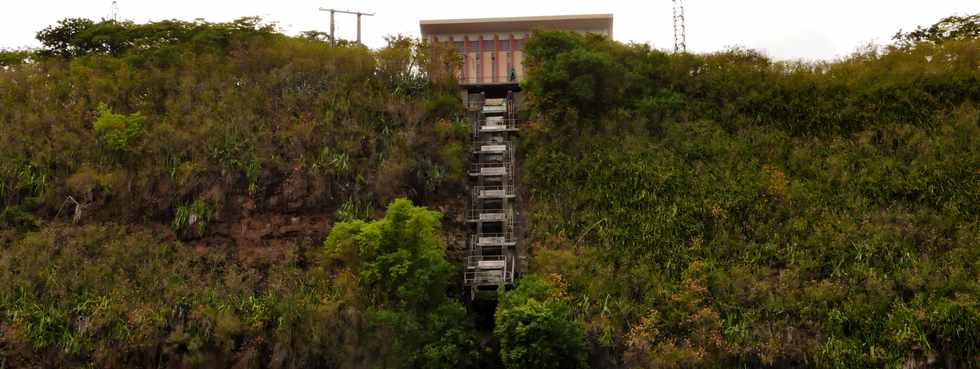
[358,14]
[680,30]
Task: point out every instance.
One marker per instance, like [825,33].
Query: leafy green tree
[535,328]
[400,263]
[117,131]
[75,37]
[62,39]
[572,79]
[400,259]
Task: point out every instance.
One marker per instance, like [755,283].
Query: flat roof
[517,24]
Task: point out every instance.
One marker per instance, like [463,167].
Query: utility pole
[680,30]
[115,11]
[333,40]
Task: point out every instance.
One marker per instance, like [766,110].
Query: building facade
[492,48]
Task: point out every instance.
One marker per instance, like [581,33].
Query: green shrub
[117,131]
[192,218]
[572,78]
[400,260]
[9,58]
[400,264]
[535,328]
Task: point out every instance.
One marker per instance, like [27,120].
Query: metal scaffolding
[492,258]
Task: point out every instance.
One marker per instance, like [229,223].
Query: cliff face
[166,189]
[259,229]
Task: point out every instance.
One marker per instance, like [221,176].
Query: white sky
[785,29]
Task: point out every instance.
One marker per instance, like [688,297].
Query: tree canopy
[400,264]
[73,37]
[951,28]
[400,260]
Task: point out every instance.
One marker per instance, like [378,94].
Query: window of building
[459,45]
[493,66]
[520,44]
[504,45]
[474,46]
[488,45]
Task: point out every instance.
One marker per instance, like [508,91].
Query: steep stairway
[493,257]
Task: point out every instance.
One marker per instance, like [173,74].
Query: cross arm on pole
[346,12]
[334,11]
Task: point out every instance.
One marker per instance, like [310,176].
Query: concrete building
[492,48]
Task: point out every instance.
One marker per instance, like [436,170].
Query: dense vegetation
[534,327]
[183,112]
[181,194]
[725,210]
[141,166]
[125,296]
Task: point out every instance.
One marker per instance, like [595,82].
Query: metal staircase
[492,258]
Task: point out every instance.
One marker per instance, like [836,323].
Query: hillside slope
[195,195]
[724,210]
[166,190]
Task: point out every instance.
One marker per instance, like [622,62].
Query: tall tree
[61,39]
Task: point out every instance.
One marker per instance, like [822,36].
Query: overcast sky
[785,29]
